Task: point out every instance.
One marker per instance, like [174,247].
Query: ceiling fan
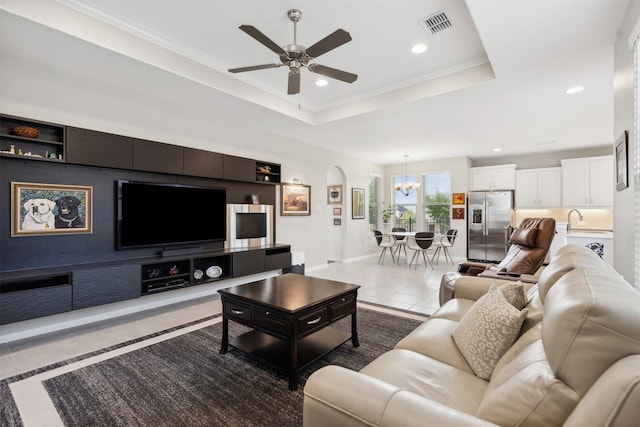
[296,56]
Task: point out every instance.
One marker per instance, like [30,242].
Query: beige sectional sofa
[575,360]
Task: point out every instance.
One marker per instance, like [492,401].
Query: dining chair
[401,242]
[443,244]
[386,243]
[420,243]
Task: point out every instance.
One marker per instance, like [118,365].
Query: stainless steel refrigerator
[489,215]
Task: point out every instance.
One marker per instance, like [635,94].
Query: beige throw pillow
[514,294]
[487,331]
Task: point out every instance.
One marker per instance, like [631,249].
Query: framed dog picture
[42,209]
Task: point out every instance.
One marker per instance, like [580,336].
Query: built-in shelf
[268,172]
[48,145]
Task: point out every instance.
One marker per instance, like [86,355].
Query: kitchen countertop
[602,234]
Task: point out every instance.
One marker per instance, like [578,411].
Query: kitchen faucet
[569,219]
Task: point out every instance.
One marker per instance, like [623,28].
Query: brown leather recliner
[530,243]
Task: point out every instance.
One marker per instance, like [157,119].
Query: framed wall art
[334,194]
[457,198]
[295,199]
[42,209]
[622,169]
[337,211]
[357,203]
[457,213]
[337,221]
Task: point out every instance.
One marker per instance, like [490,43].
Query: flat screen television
[159,214]
[249,225]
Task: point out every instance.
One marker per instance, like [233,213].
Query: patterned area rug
[178,378]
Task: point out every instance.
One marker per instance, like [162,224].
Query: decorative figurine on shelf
[20,153]
[12,149]
[174,270]
[52,155]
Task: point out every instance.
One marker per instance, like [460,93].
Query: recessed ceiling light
[497,149]
[573,90]
[321,82]
[419,48]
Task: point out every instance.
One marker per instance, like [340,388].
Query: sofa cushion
[436,330]
[487,331]
[523,390]
[427,377]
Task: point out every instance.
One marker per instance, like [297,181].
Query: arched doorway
[336,214]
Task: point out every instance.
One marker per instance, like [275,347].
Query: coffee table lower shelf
[274,350]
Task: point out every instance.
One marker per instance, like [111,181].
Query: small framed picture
[337,221]
[255,199]
[357,203]
[337,211]
[457,198]
[295,199]
[40,209]
[622,170]
[334,194]
[457,213]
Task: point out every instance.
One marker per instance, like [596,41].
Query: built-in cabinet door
[526,189]
[481,179]
[550,188]
[157,157]
[489,178]
[587,182]
[539,188]
[504,178]
[90,147]
[601,182]
[239,169]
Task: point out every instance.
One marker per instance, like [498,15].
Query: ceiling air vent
[436,23]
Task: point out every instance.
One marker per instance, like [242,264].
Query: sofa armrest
[472,268]
[334,395]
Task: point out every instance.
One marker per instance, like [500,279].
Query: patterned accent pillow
[514,293]
[487,331]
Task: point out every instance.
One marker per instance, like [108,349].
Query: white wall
[623,119]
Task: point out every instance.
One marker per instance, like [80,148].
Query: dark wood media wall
[44,275]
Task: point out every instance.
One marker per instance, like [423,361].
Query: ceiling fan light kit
[296,56]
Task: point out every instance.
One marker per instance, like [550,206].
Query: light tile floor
[389,284]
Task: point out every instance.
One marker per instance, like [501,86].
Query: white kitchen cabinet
[539,188]
[587,182]
[489,178]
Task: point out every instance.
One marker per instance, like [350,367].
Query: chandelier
[406,187]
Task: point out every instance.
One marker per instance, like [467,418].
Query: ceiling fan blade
[294,82]
[332,41]
[256,34]
[253,68]
[333,73]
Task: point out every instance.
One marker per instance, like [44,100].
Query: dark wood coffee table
[289,316]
